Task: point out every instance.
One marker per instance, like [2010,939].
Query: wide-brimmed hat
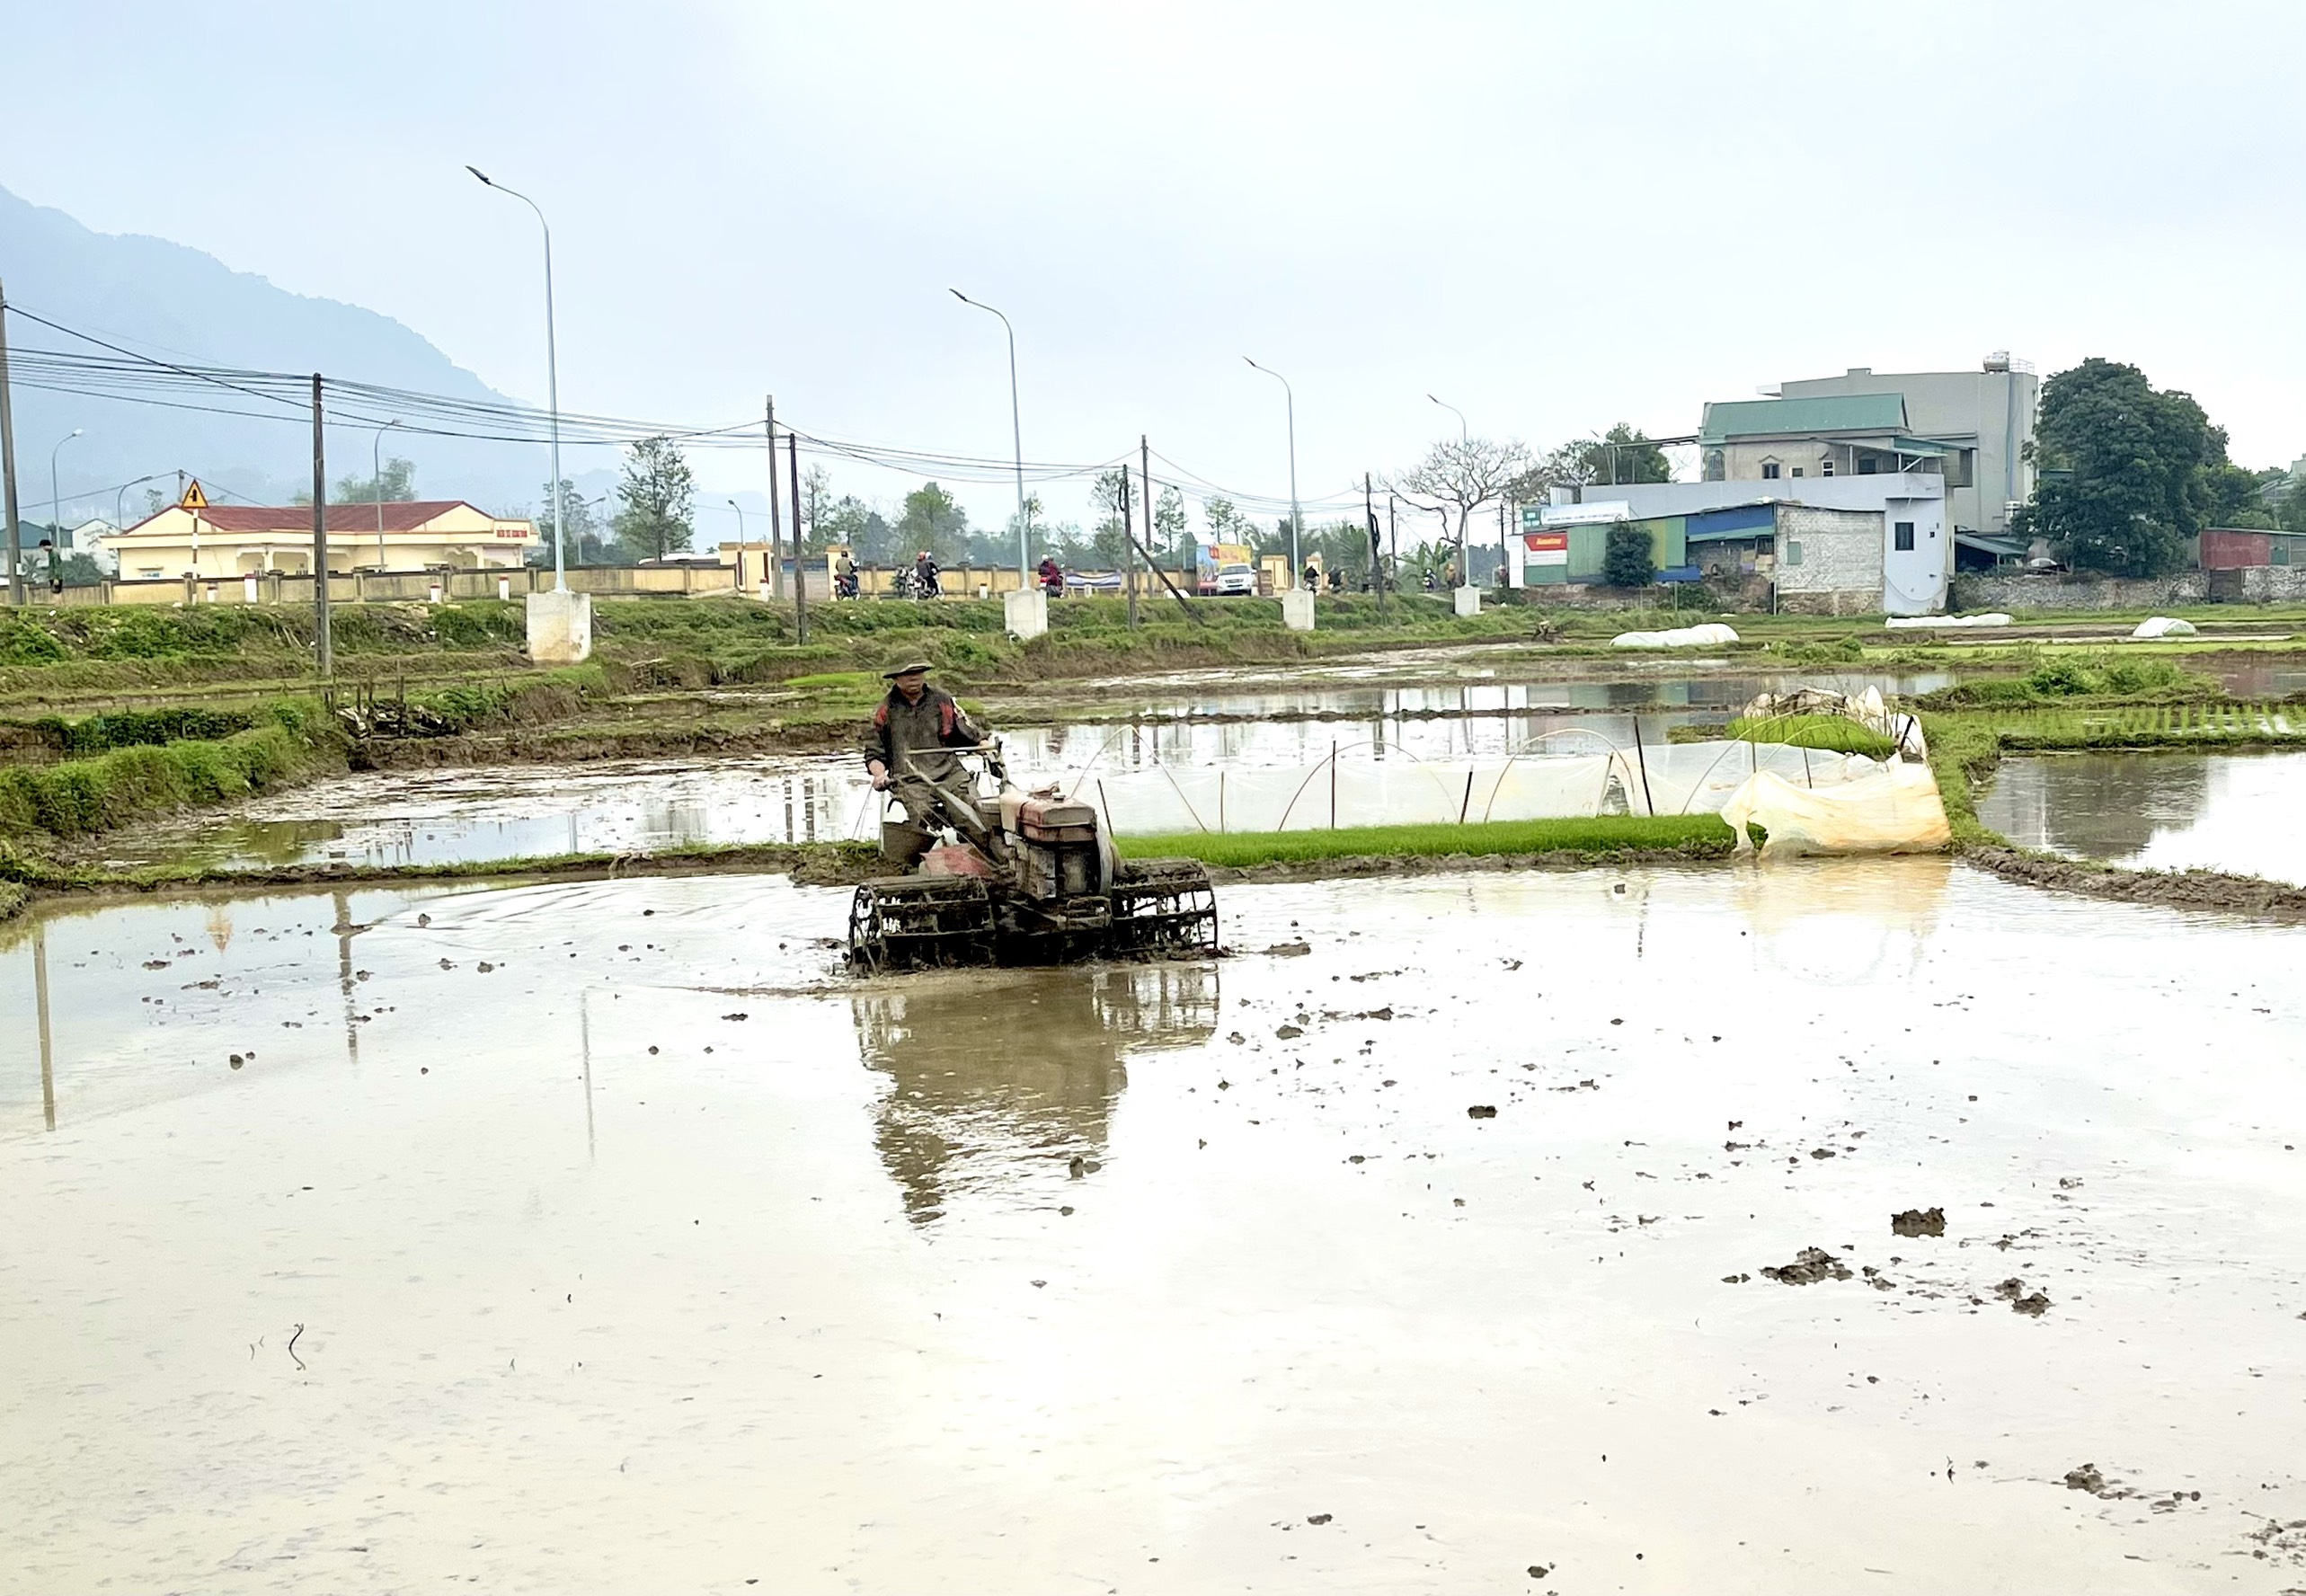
[917,667]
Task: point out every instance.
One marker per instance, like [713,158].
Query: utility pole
[800,577]
[1393,533]
[775,516]
[8,468]
[327,655]
[1144,475]
[1376,549]
[1127,547]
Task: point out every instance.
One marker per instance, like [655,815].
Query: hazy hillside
[162,298]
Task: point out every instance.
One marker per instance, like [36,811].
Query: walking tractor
[1006,876]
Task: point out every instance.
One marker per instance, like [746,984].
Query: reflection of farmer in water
[905,752]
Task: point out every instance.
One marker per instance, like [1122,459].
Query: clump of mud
[1481,1111]
[2032,1305]
[1919,1221]
[1810,1265]
[2085,1478]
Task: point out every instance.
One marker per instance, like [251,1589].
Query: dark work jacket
[904,736]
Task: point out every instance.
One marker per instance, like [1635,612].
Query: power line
[147,379]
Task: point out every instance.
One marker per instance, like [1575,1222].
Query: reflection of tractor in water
[1028,878]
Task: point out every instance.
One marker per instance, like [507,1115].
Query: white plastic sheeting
[2163,626]
[1879,809]
[1713,634]
[1359,790]
[1933,623]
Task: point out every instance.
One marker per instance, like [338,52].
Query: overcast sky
[1553,216]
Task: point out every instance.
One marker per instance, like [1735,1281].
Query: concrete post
[1468,601]
[1297,609]
[560,627]
[1026,612]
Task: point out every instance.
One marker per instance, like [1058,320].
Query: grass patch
[1698,836]
[74,797]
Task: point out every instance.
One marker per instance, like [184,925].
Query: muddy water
[2236,812]
[602,1237]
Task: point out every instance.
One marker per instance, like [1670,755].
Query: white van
[1236,578]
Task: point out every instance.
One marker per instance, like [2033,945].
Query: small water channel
[604,1235]
[2167,811]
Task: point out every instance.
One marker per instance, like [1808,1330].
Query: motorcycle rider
[925,574]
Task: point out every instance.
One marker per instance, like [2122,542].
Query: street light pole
[1464,433]
[1295,514]
[55,502]
[741,543]
[120,500]
[551,373]
[1016,431]
[376,486]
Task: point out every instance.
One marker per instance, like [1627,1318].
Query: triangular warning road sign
[193,498]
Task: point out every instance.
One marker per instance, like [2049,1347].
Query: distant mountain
[164,300]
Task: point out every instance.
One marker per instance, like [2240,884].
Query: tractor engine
[1061,854]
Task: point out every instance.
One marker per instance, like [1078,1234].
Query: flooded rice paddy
[459,816]
[2236,813]
[606,1236]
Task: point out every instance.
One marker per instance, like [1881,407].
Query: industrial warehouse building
[212,542]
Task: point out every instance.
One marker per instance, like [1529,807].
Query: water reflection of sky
[2234,812]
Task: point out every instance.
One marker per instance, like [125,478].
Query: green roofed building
[1972,428]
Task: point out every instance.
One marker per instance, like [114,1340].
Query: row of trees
[655,505]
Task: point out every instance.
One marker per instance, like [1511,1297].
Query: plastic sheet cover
[1879,809]
[1362,790]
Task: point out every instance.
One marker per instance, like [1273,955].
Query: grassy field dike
[115,715]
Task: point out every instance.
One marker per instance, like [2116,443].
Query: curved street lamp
[1017,431]
[376,485]
[55,501]
[552,371]
[1295,514]
[1464,433]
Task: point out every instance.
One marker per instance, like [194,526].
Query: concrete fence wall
[2070,591]
[407,587]
[605,581]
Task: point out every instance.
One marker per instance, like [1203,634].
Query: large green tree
[396,483]
[2129,471]
[851,524]
[1169,522]
[580,528]
[934,521]
[1628,557]
[1112,492]
[1621,455]
[655,499]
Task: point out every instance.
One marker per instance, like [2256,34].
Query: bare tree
[1458,478]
